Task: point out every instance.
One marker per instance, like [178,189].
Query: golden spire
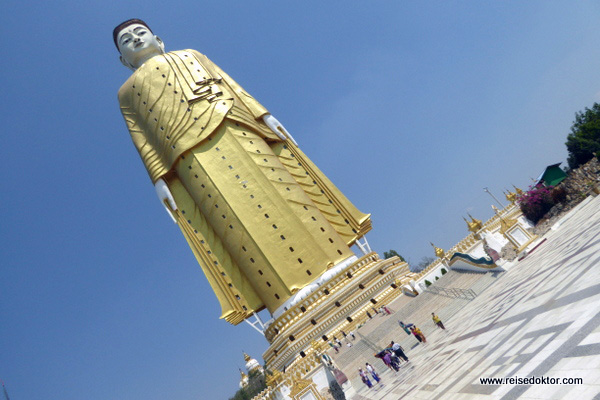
[243,379]
[474,225]
[510,196]
[468,224]
[246,357]
[519,191]
[438,252]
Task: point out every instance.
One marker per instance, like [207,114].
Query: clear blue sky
[410,109]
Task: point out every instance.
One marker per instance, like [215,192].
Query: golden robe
[262,220]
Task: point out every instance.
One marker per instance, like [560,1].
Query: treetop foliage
[392,253]
[584,140]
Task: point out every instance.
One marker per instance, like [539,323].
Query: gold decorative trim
[298,386]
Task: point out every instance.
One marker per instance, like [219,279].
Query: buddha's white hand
[165,196]
[278,128]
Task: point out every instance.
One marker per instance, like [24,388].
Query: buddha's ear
[160,43]
[125,63]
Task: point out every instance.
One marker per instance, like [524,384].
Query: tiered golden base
[340,304]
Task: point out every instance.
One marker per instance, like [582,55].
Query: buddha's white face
[137,44]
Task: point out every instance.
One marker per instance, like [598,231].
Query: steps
[378,332]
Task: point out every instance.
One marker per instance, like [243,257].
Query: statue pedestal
[338,304]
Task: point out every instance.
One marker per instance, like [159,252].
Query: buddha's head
[136,43]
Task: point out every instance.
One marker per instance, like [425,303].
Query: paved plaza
[540,318]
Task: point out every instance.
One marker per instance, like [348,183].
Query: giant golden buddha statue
[262,220]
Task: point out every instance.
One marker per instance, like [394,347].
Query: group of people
[394,354]
[337,343]
[364,375]
[412,329]
[383,310]
[391,357]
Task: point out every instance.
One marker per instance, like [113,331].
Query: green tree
[584,140]
[424,263]
[392,253]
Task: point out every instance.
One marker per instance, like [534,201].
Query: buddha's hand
[278,128]
[165,197]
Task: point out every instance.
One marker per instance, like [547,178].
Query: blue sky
[410,109]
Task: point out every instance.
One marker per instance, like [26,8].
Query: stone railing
[455,293]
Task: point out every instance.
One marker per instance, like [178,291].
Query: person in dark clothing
[398,350]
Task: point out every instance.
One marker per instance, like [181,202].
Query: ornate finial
[476,221]
[495,209]
[519,191]
[469,225]
[438,252]
[474,225]
[242,373]
[246,357]
[510,196]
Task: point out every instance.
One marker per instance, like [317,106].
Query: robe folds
[262,220]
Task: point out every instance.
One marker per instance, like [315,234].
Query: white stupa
[252,365]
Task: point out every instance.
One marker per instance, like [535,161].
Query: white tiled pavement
[540,318]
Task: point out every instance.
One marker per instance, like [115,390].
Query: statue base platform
[339,304]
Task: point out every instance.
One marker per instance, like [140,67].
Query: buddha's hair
[124,25]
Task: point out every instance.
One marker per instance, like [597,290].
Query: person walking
[369,315]
[413,330]
[390,357]
[437,321]
[420,334]
[387,310]
[405,327]
[399,351]
[387,361]
[333,346]
[338,341]
[373,372]
[351,333]
[365,378]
